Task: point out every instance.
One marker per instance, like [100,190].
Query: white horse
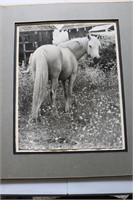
[50,62]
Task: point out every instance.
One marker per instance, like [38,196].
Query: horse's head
[93,48]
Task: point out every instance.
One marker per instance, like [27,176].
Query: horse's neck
[77,46]
[79,52]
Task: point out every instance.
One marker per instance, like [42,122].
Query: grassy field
[94,121]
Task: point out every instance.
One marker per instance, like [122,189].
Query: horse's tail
[40,70]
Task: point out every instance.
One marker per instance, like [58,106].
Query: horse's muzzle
[96,60]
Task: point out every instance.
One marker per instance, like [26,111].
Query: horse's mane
[79,46]
[72,41]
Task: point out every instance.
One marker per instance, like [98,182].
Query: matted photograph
[68,87]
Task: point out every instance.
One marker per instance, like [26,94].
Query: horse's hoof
[38,119]
[66,109]
[34,120]
[56,114]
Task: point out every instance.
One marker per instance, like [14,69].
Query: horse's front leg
[54,83]
[66,96]
[70,87]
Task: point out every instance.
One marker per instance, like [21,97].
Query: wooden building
[105,29]
[76,30]
[31,37]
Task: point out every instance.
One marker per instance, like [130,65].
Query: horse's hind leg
[68,95]
[54,83]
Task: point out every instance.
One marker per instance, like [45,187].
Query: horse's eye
[90,46]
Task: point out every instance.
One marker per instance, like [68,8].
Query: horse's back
[53,57]
[61,61]
[50,51]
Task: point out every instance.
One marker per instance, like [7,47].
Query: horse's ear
[89,36]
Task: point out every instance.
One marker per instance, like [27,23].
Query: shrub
[108,54]
[25,92]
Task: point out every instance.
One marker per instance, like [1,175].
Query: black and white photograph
[68,94]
